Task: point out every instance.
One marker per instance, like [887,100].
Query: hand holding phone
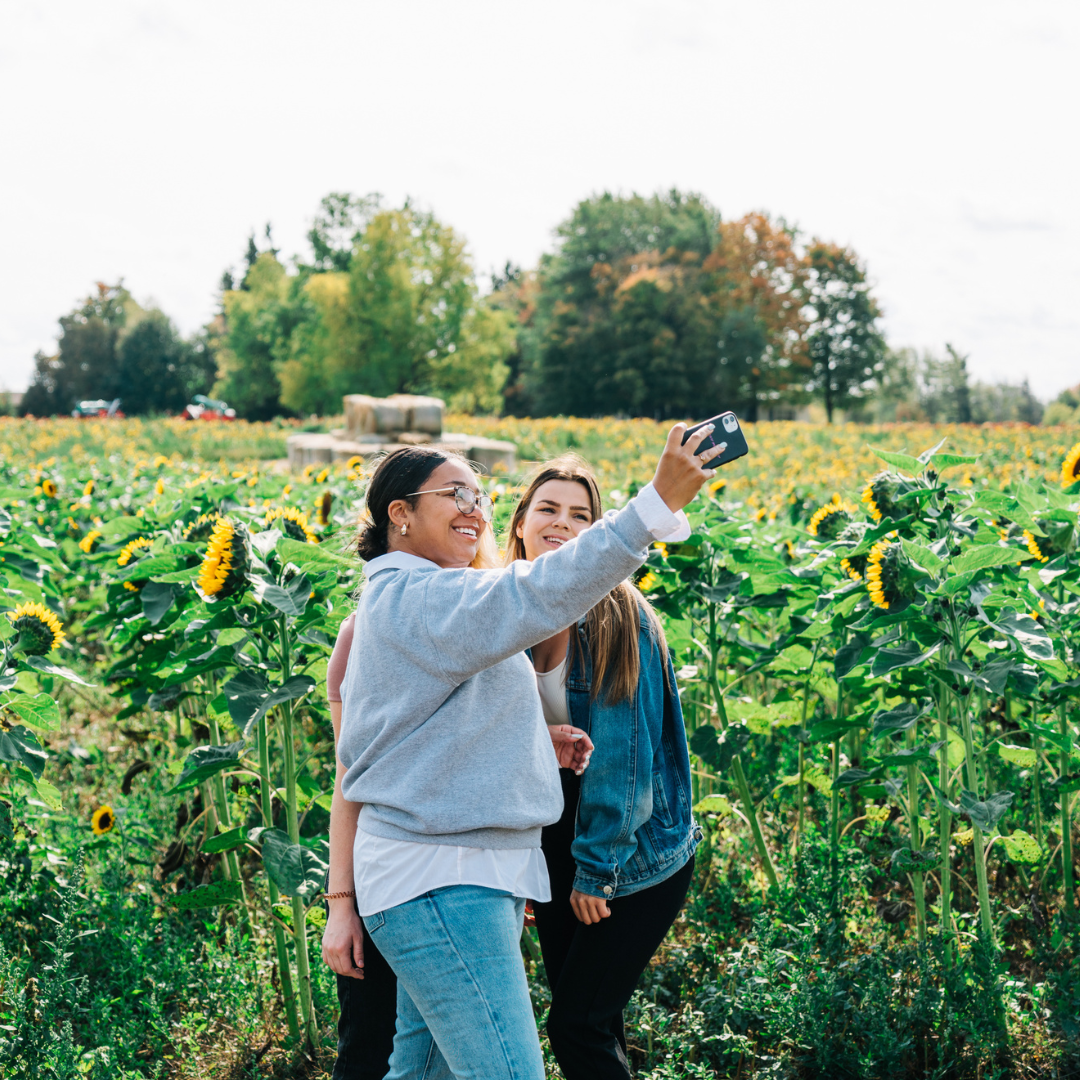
[727,437]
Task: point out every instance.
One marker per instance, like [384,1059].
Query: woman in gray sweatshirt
[443,744]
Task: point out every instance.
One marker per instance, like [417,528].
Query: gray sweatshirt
[442,733]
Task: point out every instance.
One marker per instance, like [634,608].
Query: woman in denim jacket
[621,857]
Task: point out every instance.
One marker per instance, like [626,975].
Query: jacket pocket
[661,807]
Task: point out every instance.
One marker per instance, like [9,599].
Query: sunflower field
[877,642]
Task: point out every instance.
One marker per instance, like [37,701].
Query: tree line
[647,306]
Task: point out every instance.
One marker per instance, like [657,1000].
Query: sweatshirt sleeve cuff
[658,519]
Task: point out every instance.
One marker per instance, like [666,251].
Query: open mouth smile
[465,531]
[555,541]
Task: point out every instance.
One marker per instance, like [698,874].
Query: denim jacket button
[608,890]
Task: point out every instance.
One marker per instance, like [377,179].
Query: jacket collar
[398,560]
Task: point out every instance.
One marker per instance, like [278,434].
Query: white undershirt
[552,687]
[390,872]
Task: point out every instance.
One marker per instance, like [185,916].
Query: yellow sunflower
[102,820]
[849,569]
[830,520]
[201,528]
[89,542]
[48,487]
[1033,547]
[89,489]
[223,565]
[129,549]
[648,583]
[292,522]
[1070,467]
[38,628]
[874,570]
[323,507]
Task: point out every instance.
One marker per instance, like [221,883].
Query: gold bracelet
[338,895]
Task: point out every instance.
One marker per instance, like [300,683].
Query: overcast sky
[146,140]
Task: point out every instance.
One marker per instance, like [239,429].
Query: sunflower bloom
[102,820]
[201,528]
[648,582]
[880,495]
[292,522]
[129,549]
[38,629]
[223,565]
[89,489]
[830,520]
[88,544]
[324,505]
[48,487]
[849,568]
[874,574]
[1070,467]
[1033,547]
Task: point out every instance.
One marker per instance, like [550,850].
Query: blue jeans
[463,1001]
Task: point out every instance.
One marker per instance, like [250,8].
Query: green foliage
[388,305]
[110,348]
[650,306]
[844,345]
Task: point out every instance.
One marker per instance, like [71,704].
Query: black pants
[594,970]
[368,1018]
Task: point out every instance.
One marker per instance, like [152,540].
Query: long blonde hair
[612,626]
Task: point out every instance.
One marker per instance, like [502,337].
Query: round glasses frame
[466,499]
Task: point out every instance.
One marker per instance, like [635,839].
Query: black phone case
[729,430]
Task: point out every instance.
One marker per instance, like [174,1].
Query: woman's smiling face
[436,529]
[558,512]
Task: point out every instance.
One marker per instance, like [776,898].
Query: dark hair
[397,475]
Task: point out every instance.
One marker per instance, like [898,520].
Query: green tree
[156,370]
[946,389]
[613,330]
[111,347]
[844,345]
[258,320]
[654,307]
[400,314]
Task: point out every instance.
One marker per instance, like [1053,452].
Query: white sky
[145,140]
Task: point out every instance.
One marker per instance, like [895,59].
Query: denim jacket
[634,821]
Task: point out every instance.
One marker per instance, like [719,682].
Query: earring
[403,528]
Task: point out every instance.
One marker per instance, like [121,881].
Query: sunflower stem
[985,920]
[288,993]
[915,838]
[944,826]
[737,773]
[1069,884]
[292,818]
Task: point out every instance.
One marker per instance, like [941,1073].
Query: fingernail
[711,427]
[721,446]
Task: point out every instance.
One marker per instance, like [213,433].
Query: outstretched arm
[470,620]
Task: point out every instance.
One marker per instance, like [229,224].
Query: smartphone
[727,430]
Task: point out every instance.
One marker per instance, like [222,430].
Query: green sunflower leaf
[898,461]
[1022,847]
[297,870]
[204,896]
[1023,756]
[19,746]
[47,667]
[206,761]
[39,711]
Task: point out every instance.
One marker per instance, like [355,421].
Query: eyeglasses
[467,500]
